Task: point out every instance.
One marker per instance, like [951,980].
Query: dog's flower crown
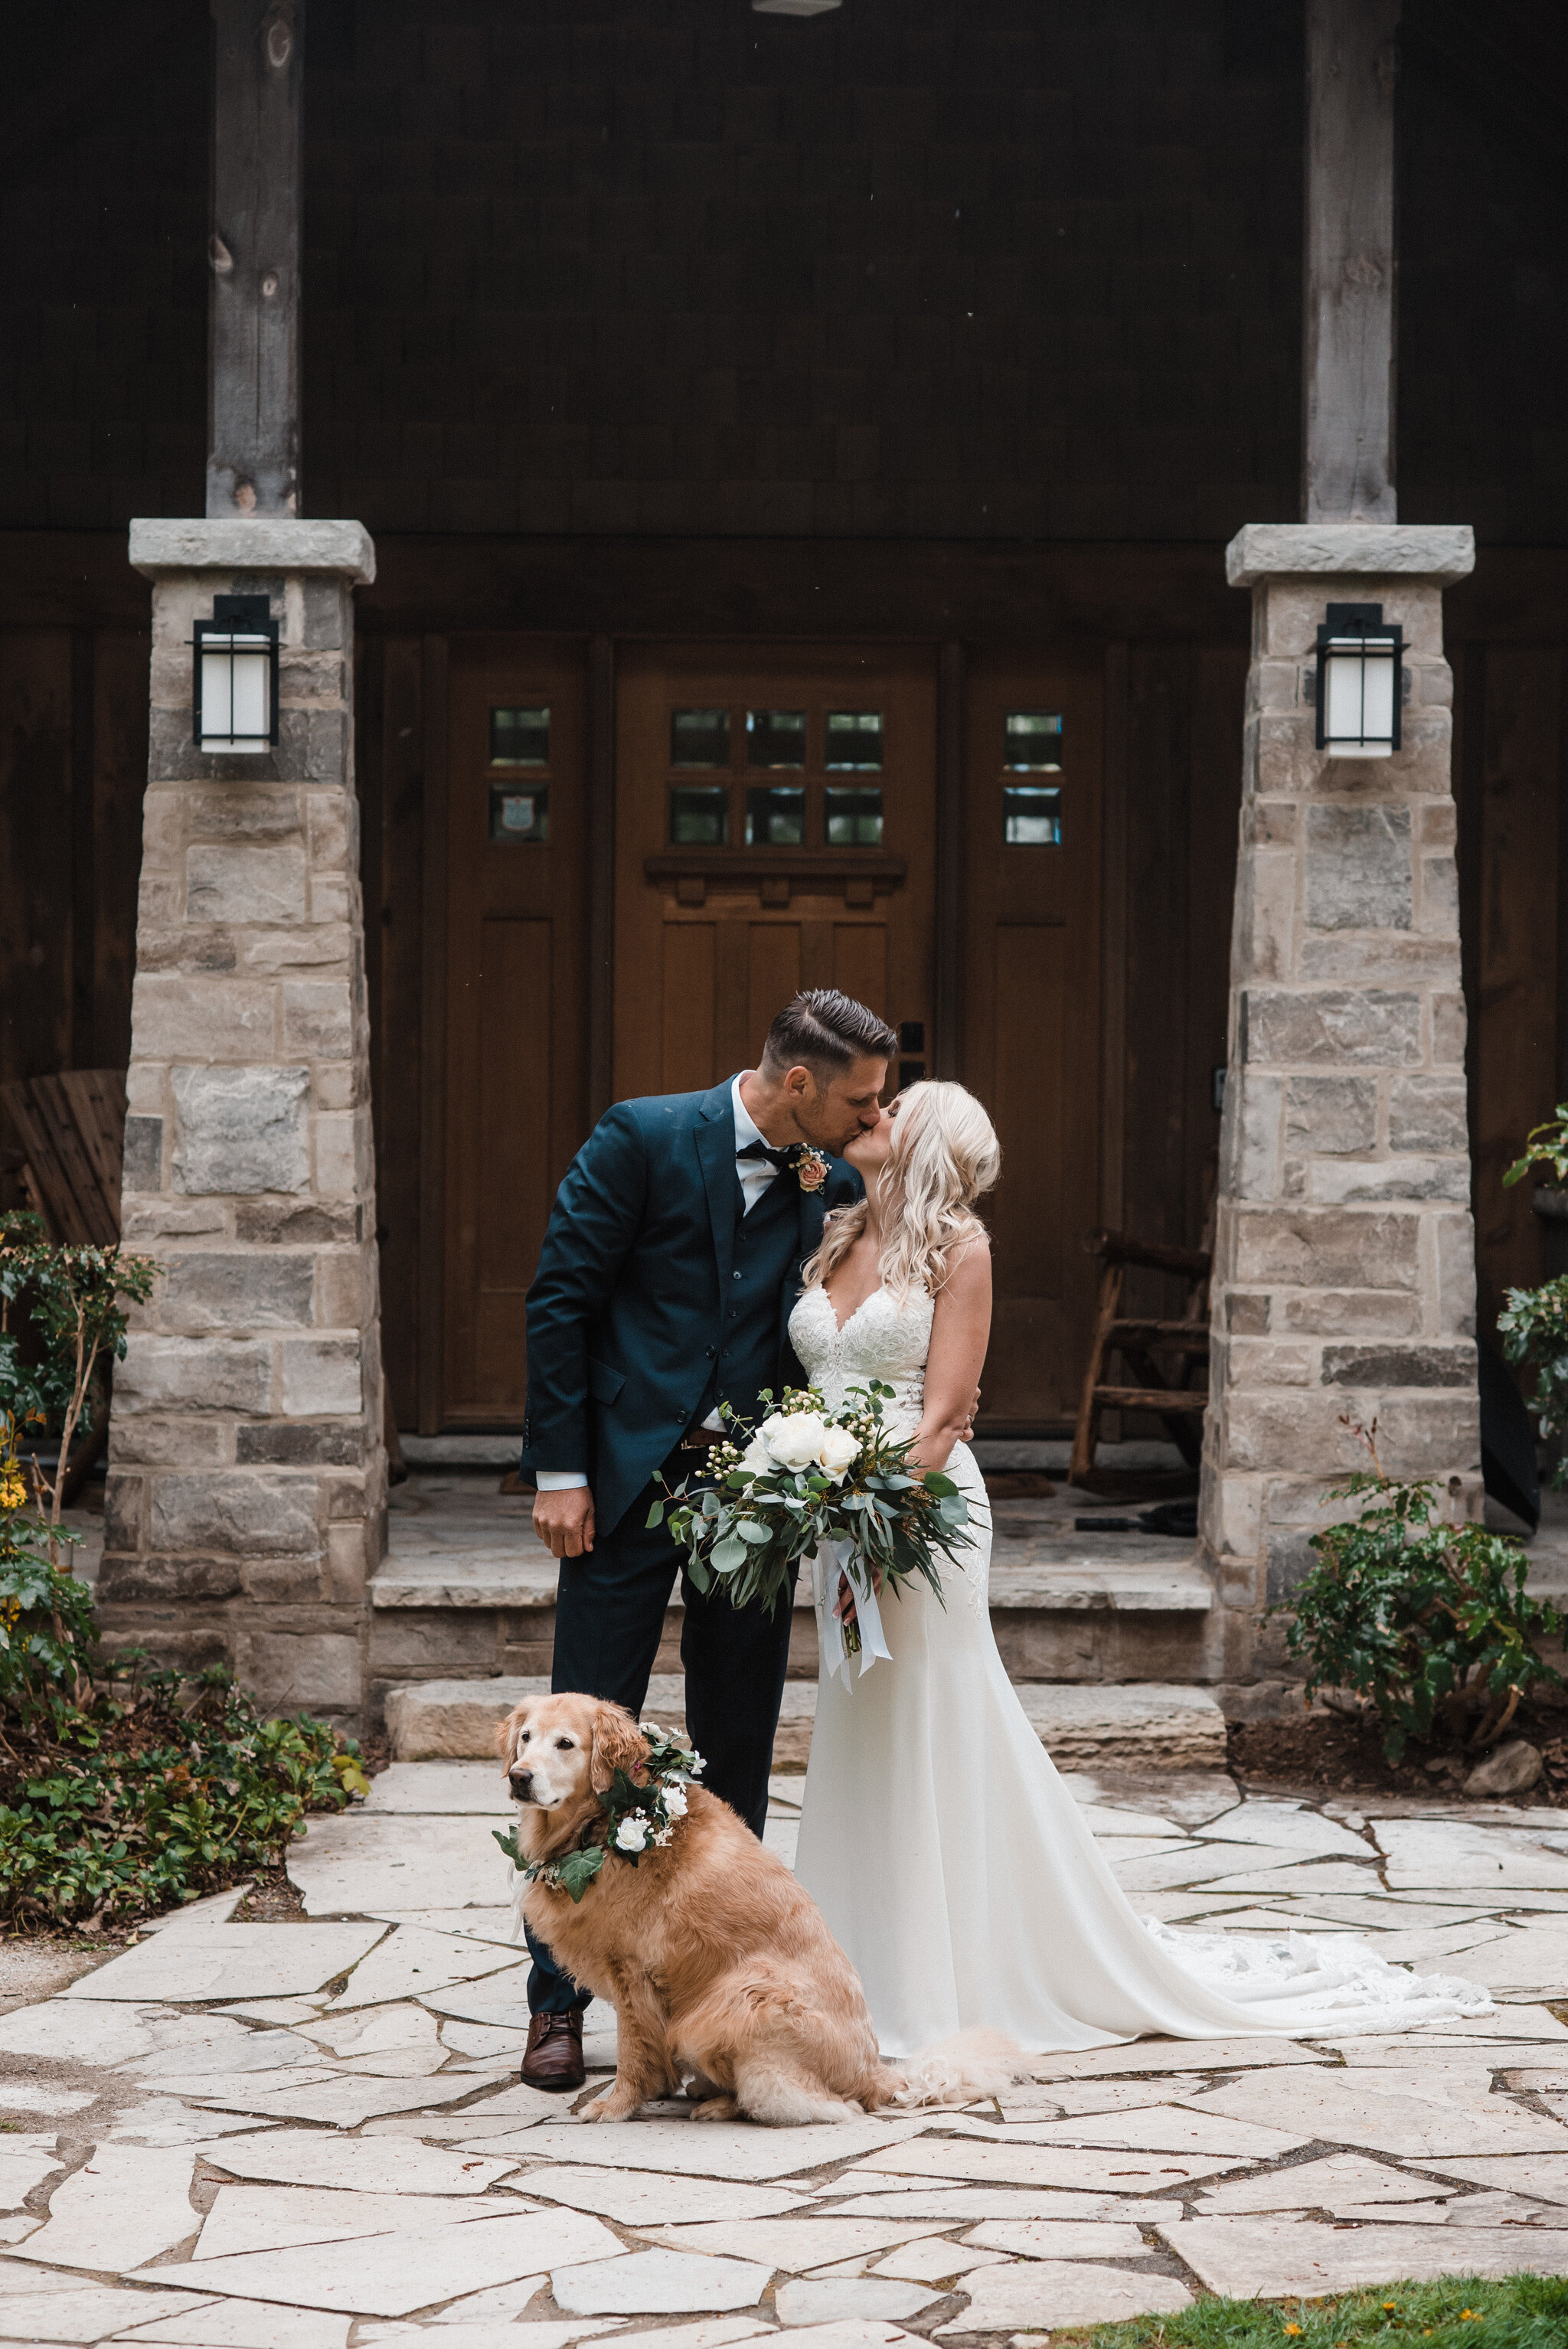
[638,1815]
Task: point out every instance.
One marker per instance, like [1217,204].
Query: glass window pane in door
[855,740]
[699,738]
[699,816]
[1032,815]
[776,818]
[1032,741]
[775,738]
[520,736]
[853,819]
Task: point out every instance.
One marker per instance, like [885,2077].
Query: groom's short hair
[825,1031]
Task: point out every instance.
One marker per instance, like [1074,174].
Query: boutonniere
[810,1169]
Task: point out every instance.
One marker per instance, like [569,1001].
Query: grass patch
[1521,2311]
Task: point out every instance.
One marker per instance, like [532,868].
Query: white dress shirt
[755,1174]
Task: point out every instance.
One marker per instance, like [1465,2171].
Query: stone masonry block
[1380,958]
[318,1020]
[124,1580]
[259,1513]
[321,1376]
[1265,913]
[234,882]
[1246,1314]
[172,1219]
[332,831]
[313,1672]
[348,1564]
[1454,1244]
[1263,1429]
[317,947]
[315,1222]
[342,1154]
[241,1129]
[175,1439]
[1357,868]
[1326,1247]
[220,1019]
[331,897]
[1399,1366]
[1353,1313]
[338,1085]
[124,1510]
[1448,1031]
[143,1169]
[345,1289]
[1440,897]
[1428,1434]
[1330,1113]
[1336,1180]
[272,813]
[1366,1027]
[1250,1138]
[1427,1113]
[311,1443]
[1269,1362]
[265,1291]
[194,1374]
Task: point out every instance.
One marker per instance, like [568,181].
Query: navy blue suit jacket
[624,1316]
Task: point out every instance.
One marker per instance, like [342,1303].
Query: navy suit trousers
[609,1619]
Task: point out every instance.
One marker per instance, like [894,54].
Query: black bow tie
[779,1158]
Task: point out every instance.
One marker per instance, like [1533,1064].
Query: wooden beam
[254,252]
[947,1007]
[1348,280]
[432,1379]
[600,875]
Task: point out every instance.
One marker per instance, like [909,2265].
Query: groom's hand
[563,1520]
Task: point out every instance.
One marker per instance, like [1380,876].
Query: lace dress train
[953,1865]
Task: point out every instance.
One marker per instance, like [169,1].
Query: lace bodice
[881,1339]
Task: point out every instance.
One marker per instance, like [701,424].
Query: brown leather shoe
[554,2058]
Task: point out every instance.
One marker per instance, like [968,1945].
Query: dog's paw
[716,2108]
[609,2106]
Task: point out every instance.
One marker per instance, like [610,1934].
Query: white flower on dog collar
[632,1835]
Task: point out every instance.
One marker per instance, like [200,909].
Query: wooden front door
[775,829]
[515,1080]
[1031,1014]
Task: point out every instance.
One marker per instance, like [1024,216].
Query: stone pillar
[1345,1260]
[246,1503]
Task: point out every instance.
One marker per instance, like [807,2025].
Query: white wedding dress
[953,1865]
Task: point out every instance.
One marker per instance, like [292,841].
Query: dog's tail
[977,2063]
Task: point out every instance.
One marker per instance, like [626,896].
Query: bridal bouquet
[836,1488]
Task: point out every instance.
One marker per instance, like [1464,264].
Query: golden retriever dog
[720,1969]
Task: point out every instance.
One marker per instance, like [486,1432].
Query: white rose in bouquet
[839,1451]
[757,1459]
[796,1440]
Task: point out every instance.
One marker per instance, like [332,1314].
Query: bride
[943,1848]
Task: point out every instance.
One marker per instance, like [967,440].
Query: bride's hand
[844,1604]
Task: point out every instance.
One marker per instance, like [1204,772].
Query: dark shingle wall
[961,268]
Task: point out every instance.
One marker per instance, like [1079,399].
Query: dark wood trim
[811,868]
[947,941]
[253,258]
[1113,936]
[84,831]
[433,1045]
[1350,261]
[1468,785]
[600,875]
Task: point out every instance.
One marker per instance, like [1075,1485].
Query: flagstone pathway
[311,2133]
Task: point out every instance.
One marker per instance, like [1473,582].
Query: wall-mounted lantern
[1359,662]
[235,695]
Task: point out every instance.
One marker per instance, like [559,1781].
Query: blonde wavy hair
[945,1155]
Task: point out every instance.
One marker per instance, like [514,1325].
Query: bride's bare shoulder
[968,1275]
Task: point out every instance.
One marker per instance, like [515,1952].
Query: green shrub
[1533,1323]
[124,1789]
[1430,1622]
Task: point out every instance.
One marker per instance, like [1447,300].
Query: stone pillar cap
[1441,552]
[268,542]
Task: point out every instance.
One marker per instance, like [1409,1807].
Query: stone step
[1139,1725]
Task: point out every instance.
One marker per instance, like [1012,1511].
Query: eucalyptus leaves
[810,1480]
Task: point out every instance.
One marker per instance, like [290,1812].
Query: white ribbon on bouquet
[827,1568]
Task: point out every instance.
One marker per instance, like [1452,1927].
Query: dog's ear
[618,1744]
[507,1732]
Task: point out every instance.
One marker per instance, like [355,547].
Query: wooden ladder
[1141,1344]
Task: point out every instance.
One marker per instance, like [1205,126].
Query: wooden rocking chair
[1158,1357]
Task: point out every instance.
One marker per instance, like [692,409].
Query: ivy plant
[1429,1622]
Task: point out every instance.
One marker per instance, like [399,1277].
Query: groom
[666,1279]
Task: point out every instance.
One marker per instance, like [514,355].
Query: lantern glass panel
[1361,677]
[236,693]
